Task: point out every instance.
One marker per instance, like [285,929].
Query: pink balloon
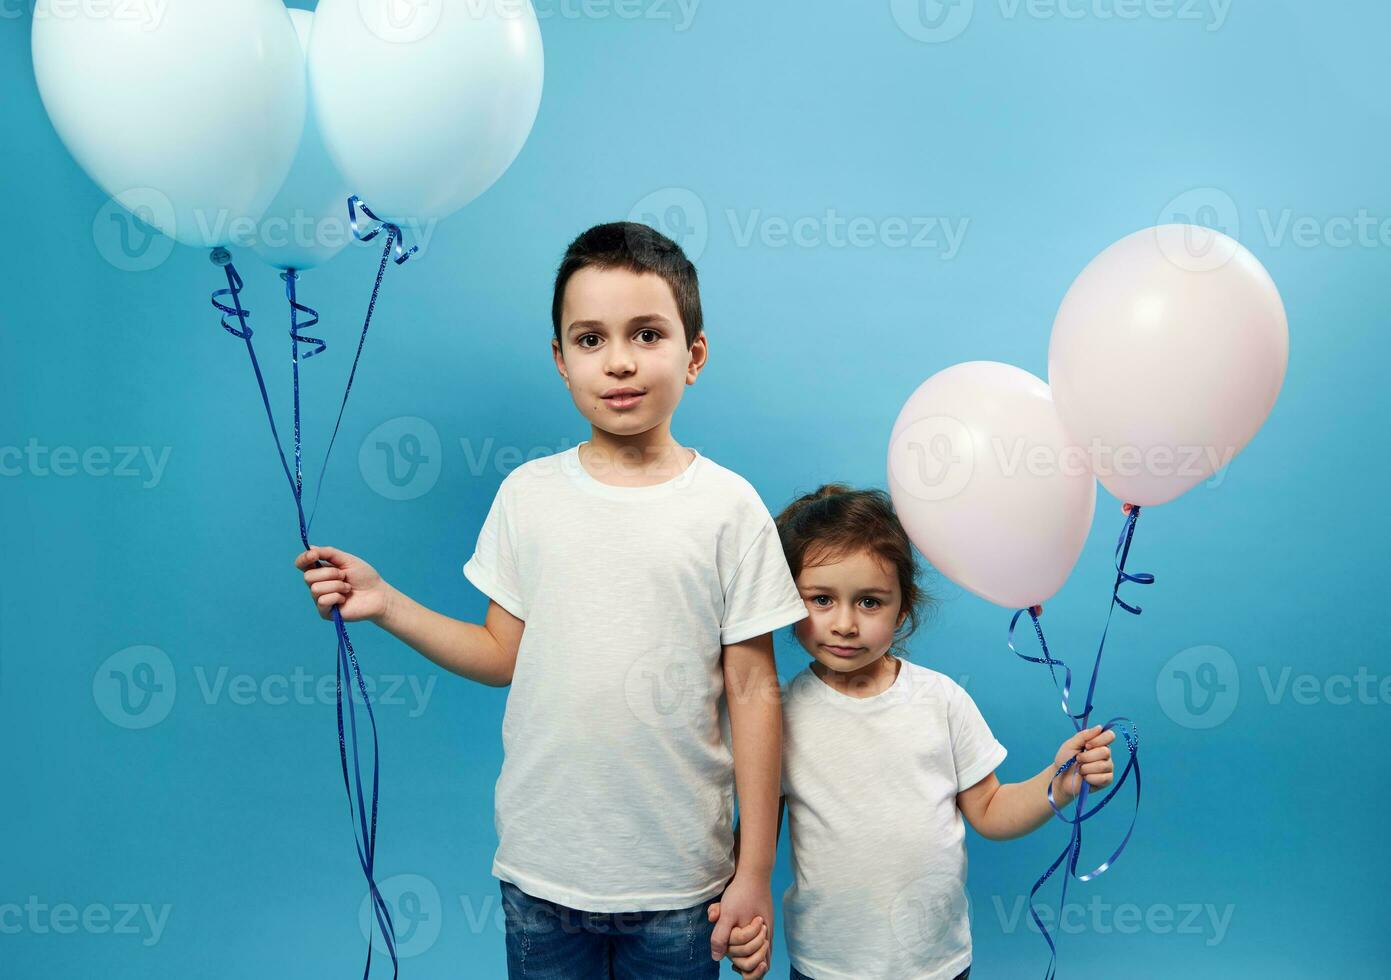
[986,484]
[1166,357]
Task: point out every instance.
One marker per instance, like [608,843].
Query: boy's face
[621,330]
[852,610]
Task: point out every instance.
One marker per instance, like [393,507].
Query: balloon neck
[220,256]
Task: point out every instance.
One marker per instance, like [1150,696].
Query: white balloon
[1166,357]
[190,110]
[424,105]
[987,485]
[307,223]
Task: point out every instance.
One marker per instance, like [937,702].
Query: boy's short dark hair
[638,248]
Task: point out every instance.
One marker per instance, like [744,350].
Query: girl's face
[853,608]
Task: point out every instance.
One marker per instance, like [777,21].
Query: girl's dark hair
[835,520]
[637,248]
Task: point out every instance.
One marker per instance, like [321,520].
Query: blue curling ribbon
[365,828]
[393,231]
[296,338]
[220,256]
[1080,721]
[290,276]
[393,236]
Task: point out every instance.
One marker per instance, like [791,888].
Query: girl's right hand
[346,581]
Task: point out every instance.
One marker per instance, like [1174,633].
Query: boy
[633,587]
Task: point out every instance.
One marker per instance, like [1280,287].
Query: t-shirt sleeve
[762,596]
[974,747]
[493,567]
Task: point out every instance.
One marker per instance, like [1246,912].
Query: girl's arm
[1003,812]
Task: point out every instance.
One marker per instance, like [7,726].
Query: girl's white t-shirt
[617,785]
[878,843]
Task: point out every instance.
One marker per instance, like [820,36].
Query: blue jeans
[796,975]
[548,941]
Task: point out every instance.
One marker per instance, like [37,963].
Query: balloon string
[365,829]
[220,256]
[347,657]
[367,846]
[354,204]
[296,338]
[1079,721]
[393,239]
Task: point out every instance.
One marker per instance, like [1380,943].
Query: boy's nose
[620,359]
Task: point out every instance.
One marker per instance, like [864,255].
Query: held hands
[749,946]
[1091,747]
[743,920]
[347,582]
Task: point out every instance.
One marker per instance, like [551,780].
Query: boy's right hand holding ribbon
[346,581]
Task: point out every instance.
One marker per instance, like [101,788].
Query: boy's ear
[700,353]
[559,361]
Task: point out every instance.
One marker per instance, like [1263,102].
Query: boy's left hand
[743,919]
[1092,749]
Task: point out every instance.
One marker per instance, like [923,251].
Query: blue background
[1053,135]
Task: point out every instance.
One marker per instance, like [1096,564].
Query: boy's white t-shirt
[617,785]
[878,844]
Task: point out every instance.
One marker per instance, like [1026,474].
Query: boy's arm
[486,653]
[754,700]
[782,801]
[755,723]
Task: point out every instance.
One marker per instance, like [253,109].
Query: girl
[882,758]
